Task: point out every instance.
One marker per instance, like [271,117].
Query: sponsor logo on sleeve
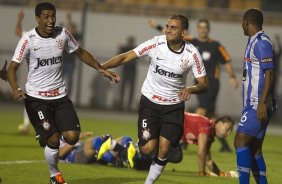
[146,49]
[198,65]
[22,50]
[71,38]
[266,60]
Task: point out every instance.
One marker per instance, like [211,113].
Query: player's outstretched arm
[119,60]
[19,28]
[12,78]
[210,163]
[201,86]
[202,152]
[88,59]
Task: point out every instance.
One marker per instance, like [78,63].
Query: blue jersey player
[258,77]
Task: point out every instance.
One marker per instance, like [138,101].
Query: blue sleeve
[264,53]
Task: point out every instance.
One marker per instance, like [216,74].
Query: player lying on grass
[123,152]
[201,131]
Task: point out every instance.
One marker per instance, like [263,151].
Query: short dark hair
[225,119]
[254,16]
[43,6]
[205,21]
[182,18]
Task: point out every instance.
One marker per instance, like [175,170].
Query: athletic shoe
[57,179]
[131,152]
[104,148]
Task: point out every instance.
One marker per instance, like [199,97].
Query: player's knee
[146,150]
[163,150]
[71,137]
[53,141]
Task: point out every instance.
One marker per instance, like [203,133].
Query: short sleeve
[21,50]
[72,44]
[264,53]
[206,127]
[224,57]
[146,48]
[198,67]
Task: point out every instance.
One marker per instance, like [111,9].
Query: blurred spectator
[271,5]
[128,76]
[218,3]
[69,59]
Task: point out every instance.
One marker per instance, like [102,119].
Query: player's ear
[37,19]
[184,32]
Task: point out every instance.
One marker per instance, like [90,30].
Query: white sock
[154,173]
[25,119]
[52,158]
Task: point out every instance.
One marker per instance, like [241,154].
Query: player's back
[195,124]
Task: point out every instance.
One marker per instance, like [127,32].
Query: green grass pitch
[15,147]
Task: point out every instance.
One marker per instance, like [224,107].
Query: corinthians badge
[146,134]
[46,125]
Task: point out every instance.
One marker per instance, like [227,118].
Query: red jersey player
[201,131]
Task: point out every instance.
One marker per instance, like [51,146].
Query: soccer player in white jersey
[50,110]
[258,77]
[161,111]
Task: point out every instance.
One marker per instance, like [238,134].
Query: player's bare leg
[159,162]
[149,147]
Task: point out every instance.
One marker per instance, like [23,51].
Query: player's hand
[113,76]
[262,111]
[185,94]
[234,82]
[152,23]
[19,94]
[83,135]
[3,72]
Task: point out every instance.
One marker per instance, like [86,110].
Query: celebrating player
[161,111]
[258,77]
[213,54]
[201,131]
[50,110]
